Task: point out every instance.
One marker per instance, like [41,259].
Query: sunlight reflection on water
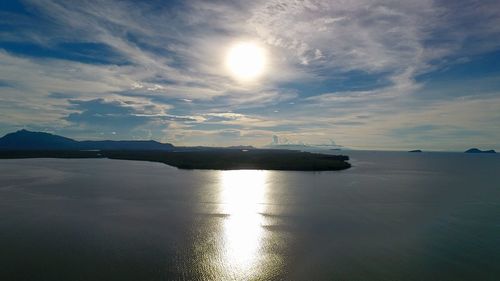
[242,195]
[393,216]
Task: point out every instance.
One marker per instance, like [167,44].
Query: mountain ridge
[29,140]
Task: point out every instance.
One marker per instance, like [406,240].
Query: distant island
[476,150]
[416,150]
[27,144]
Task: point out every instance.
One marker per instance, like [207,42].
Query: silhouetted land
[475,150]
[416,150]
[217,159]
[27,144]
[28,140]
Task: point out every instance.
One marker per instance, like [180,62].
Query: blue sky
[366,74]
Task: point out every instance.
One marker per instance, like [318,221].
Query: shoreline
[258,159]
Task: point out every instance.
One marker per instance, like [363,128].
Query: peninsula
[26,144]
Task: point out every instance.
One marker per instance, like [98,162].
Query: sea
[392,216]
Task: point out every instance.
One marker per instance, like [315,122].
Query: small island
[476,150]
[415,151]
[26,144]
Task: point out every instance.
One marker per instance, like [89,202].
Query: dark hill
[27,140]
[475,150]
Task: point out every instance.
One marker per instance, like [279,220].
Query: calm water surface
[393,216]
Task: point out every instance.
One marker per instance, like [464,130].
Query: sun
[246,61]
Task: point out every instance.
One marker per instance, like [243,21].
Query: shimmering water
[393,216]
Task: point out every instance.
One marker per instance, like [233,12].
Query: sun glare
[246,61]
[243,194]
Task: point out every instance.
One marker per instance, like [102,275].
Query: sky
[365,74]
